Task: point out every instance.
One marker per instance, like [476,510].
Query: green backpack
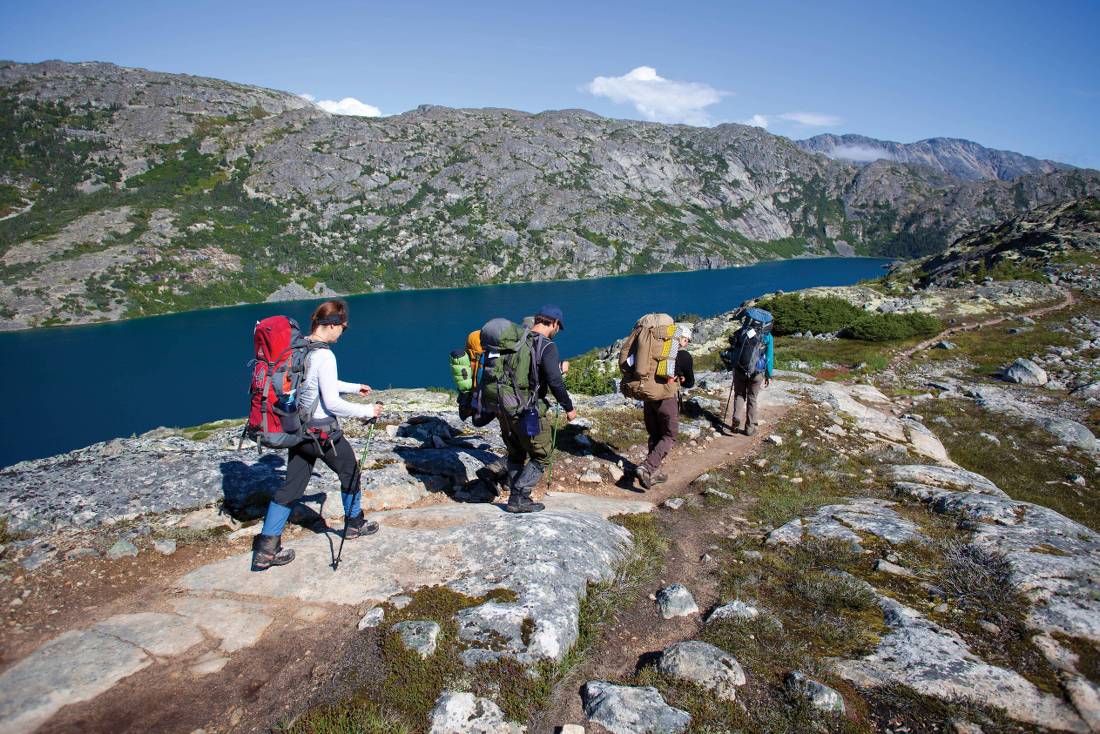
[509,384]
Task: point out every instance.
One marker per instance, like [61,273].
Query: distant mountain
[125,192]
[959,158]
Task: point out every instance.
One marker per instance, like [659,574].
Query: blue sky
[1015,75]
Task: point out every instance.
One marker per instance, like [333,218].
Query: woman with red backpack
[321,388]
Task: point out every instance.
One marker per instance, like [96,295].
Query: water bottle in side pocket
[529,421]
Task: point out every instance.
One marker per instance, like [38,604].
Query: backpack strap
[305,412]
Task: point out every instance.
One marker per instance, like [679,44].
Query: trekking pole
[553,446]
[358,467]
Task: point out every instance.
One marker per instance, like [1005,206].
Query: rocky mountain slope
[125,192]
[959,158]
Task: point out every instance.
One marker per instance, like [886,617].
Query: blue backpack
[747,352]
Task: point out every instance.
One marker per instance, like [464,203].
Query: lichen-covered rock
[705,665]
[924,481]
[936,662]
[845,522]
[464,713]
[676,601]
[1025,372]
[819,695]
[419,636]
[736,609]
[631,709]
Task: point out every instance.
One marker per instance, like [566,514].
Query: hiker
[752,358]
[321,388]
[527,433]
[662,416]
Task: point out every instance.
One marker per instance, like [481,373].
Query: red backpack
[276,418]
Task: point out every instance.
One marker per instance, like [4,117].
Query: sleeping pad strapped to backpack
[276,418]
[746,352]
[647,359]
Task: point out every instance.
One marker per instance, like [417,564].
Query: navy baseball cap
[550,311]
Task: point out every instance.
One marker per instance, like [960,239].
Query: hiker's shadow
[575,441]
[247,489]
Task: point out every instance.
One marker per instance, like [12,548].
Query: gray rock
[121,549]
[400,601]
[841,522]
[712,492]
[736,609]
[945,345]
[39,556]
[819,695]
[676,601]
[705,665]
[631,710]
[372,618]
[418,636]
[164,546]
[1025,372]
[893,569]
[590,477]
[936,662]
[673,503]
[465,713]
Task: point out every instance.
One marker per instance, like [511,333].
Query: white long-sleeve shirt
[321,372]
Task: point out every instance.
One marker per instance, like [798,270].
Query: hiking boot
[645,476]
[749,430]
[727,430]
[520,504]
[359,525]
[658,477]
[268,551]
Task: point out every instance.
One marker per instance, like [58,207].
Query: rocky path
[640,632]
[1068,299]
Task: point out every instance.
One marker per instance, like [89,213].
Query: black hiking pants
[337,454]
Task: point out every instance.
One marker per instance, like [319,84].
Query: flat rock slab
[471,548]
[841,522]
[1006,402]
[925,481]
[1055,561]
[73,667]
[236,624]
[936,662]
[705,665]
[631,709]
[465,713]
[157,634]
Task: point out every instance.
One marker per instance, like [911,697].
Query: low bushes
[795,313]
[589,376]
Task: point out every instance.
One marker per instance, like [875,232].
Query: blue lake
[69,387]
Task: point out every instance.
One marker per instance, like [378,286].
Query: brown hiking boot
[357,526]
[727,430]
[749,430]
[268,551]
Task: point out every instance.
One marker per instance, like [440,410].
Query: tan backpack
[648,359]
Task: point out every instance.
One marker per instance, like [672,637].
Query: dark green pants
[522,447]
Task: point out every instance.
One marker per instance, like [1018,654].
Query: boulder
[841,522]
[705,665]
[676,601]
[465,713]
[121,549]
[1025,372]
[419,636]
[631,709]
[372,618]
[736,609]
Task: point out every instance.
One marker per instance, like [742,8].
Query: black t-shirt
[550,377]
[685,367]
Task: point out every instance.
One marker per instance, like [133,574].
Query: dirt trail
[1068,300]
[640,630]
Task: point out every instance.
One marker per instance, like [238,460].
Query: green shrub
[589,376]
[884,327]
[795,313]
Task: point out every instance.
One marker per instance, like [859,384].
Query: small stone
[893,569]
[373,618]
[990,437]
[945,345]
[965,727]
[720,494]
[616,475]
[401,601]
[673,503]
[165,546]
[571,729]
[419,636]
[590,477]
[760,463]
[1078,479]
[676,601]
[774,439]
[990,627]
[752,555]
[706,558]
[121,549]
[819,696]
[701,479]
[940,608]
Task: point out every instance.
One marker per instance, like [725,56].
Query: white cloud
[346,106]
[657,98]
[811,119]
[757,121]
[859,153]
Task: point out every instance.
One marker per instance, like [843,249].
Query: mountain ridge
[128,192]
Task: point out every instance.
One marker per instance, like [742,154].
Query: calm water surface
[70,387]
